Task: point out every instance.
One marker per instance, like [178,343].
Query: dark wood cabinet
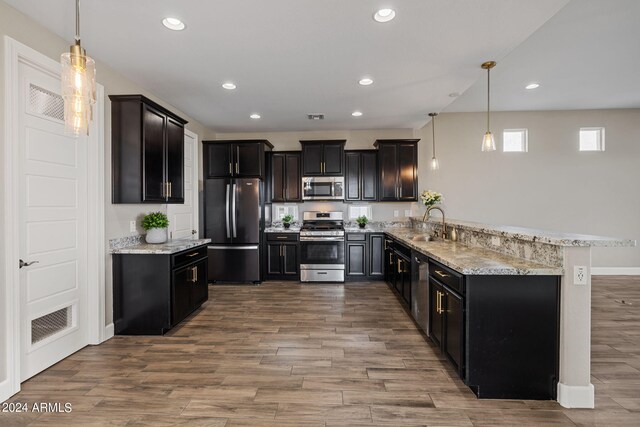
[235,159]
[501,333]
[147,151]
[397,169]
[285,180]
[152,293]
[364,256]
[282,256]
[397,272]
[361,172]
[376,256]
[389,262]
[356,255]
[323,158]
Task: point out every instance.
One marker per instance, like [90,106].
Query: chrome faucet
[444,224]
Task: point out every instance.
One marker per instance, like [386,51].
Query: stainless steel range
[322,247]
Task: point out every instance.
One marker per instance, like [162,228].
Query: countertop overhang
[168,248]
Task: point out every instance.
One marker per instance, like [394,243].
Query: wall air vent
[315,116]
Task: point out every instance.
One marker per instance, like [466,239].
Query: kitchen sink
[423,238]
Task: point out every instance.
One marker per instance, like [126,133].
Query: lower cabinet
[282,256]
[364,256]
[398,269]
[446,320]
[501,333]
[152,293]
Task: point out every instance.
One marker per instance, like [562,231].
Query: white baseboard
[576,396]
[615,271]
[7,390]
[108,331]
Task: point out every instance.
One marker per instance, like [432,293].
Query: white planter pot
[156,235]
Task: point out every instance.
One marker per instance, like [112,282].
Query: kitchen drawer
[283,237]
[447,276]
[188,256]
[404,250]
[356,237]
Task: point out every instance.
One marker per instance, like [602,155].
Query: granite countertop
[471,260]
[367,229]
[170,247]
[534,235]
[282,230]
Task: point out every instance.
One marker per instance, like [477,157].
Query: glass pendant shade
[78,85]
[78,90]
[435,165]
[488,143]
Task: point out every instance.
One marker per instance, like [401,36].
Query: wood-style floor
[283,354]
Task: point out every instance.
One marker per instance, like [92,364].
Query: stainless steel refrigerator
[232,222]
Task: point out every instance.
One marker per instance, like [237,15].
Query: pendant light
[78,85]
[488,143]
[434,160]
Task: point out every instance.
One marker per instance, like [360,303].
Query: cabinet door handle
[417,260]
[194,274]
[170,189]
[237,168]
[390,258]
[281,237]
[441,274]
[193,254]
[230,169]
[399,265]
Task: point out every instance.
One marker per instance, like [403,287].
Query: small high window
[515,140]
[591,139]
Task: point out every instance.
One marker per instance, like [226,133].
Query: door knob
[27,264]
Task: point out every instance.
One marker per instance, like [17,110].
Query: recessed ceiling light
[384,15]
[365,81]
[173,24]
[255,116]
[454,95]
[229,85]
[532,86]
[356,113]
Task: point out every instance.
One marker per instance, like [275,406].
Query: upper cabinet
[147,151]
[361,175]
[285,182]
[323,158]
[397,169]
[237,159]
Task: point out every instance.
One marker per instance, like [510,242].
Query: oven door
[322,252]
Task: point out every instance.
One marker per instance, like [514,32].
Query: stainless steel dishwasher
[420,290]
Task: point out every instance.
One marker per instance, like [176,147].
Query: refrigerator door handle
[233,208]
[227,210]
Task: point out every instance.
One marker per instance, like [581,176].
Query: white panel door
[183,219]
[53,227]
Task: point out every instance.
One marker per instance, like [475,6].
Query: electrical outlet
[579,275]
[132,226]
[407,212]
[396,214]
[495,240]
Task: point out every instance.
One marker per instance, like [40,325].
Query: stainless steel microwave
[323,188]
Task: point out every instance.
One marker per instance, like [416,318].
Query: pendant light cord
[77,20]
[433,139]
[488,97]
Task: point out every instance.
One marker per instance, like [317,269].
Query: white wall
[21,28]
[553,186]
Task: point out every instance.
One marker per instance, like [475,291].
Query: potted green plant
[286,220]
[362,221]
[155,224]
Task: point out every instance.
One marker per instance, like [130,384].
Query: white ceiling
[293,57]
[585,57]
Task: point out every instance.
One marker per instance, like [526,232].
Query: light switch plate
[396,214]
[495,240]
[407,212]
[132,226]
[579,275]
